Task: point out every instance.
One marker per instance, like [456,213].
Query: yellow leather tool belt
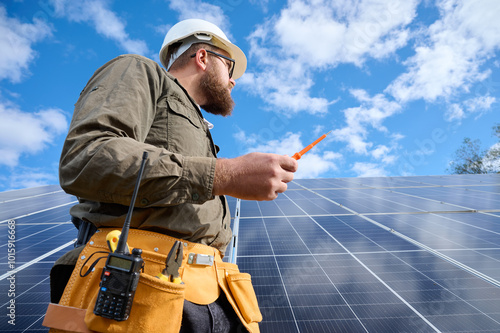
[157,305]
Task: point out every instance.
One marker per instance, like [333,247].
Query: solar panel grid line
[442,201]
[336,203]
[378,278]
[281,278]
[36,212]
[34,245]
[490,213]
[338,254]
[473,271]
[26,291]
[36,260]
[46,223]
[469,233]
[31,196]
[39,317]
[455,262]
[29,191]
[423,246]
[451,260]
[415,213]
[340,294]
[465,209]
[259,217]
[433,180]
[392,190]
[470,225]
[453,297]
[33,234]
[325,273]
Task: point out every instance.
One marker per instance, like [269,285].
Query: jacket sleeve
[103,150]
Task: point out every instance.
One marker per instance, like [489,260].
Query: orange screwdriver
[298,155]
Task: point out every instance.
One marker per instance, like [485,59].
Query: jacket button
[144,201]
[195,196]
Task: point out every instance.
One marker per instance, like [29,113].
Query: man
[132,105]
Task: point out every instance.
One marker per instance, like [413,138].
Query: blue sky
[399,83]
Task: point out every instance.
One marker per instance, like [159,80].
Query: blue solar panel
[401,254]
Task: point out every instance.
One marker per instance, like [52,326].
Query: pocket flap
[183,111]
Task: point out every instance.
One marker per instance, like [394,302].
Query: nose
[233,82]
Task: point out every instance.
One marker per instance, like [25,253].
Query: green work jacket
[132,105]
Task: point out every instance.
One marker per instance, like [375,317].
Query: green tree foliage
[470,158]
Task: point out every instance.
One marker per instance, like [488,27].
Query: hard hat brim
[240,60]
[234,51]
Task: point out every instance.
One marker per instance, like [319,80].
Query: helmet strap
[186,44]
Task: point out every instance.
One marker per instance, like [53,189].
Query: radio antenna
[122,242]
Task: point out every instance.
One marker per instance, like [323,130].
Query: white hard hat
[194,31]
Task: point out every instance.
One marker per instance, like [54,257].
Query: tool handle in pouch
[166,278]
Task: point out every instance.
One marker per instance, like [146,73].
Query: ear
[201,59]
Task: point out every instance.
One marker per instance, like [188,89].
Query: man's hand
[255,176]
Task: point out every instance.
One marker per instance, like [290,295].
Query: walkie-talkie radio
[121,273]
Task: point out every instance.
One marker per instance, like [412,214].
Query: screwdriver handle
[112,240]
[298,155]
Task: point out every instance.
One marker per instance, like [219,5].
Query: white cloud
[311,165]
[247,140]
[293,95]
[102,19]
[27,133]
[454,112]
[363,169]
[319,130]
[30,177]
[449,59]
[330,32]
[282,82]
[262,3]
[383,153]
[311,35]
[162,29]
[188,9]
[16,39]
[477,105]
[359,120]
[491,160]
[286,146]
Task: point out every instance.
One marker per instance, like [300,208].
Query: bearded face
[217,93]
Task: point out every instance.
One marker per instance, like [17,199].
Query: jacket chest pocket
[185,132]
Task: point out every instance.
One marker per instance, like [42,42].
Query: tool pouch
[242,290]
[153,300]
[157,305]
[240,294]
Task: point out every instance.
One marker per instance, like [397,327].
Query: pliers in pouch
[172,264]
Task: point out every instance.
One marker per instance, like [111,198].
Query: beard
[218,95]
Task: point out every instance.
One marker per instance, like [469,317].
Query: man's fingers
[287,177]
[288,163]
